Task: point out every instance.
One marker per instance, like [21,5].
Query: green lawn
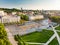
[58,33]
[57,28]
[33,44]
[40,37]
[54,42]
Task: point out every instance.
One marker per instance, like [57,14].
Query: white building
[4,18]
[1,13]
[36,17]
[9,19]
[14,13]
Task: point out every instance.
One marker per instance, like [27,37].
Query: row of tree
[3,36]
[10,10]
[24,17]
[20,40]
[55,19]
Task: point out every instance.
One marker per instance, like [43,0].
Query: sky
[31,4]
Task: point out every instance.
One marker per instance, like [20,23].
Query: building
[6,18]
[1,13]
[10,19]
[36,17]
[30,13]
[14,13]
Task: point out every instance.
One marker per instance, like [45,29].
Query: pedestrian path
[13,42]
[57,36]
[58,30]
[10,37]
[35,43]
[52,37]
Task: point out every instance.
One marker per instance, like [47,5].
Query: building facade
[10,19]
[36,17]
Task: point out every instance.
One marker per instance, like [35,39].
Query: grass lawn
[57,28]
[33,44]
[54,42]
[40,37]
[58,33]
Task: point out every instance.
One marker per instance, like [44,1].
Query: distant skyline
[31,4]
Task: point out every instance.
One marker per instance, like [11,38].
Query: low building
[19,13]
[30,13]
[1,13]
[36,17]
[10,19]
[14,13]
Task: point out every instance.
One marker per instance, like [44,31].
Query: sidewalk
[11,38]
[52,37]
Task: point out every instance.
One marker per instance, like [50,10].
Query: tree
[24,17]
[20,40]
[3,36]
[55,19]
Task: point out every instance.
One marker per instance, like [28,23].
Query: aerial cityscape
[29,22]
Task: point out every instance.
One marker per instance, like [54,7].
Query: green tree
[55,19]
[3,36]
[24,17]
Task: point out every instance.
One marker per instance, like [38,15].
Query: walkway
[55,35]
[10,37]
[35,43]
[52,37]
